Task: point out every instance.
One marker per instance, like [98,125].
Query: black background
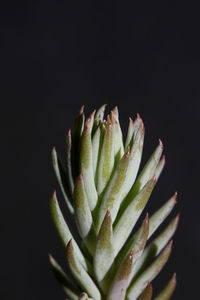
[143,56]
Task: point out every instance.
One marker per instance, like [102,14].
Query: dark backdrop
[143,56]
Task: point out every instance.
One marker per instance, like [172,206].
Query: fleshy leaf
[80,274]
[160,167]
[76,140]
[81,207]
[61,177]
[104,254]
[135,158]
[118,138]
[63,230]
[132,130]
[106,160]
[136,243]
[161,214]
[156,246]
[113,193]
[69,288]
[130,215]
[148,171]
[86,163]
[68,158]
[96,149]
[137,287]
[147,294]
[167,292]
[121,279]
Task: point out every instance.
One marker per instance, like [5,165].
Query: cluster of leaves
[105,197]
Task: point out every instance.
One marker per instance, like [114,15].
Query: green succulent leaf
[167,292]
[148,171]
[160,167]
[117,133]
[62,179]
[82,210]
[121,279]
[161,214]
[76,141]
[130,215]
[63,230]
[68,159]
[104,254]
[69,288]
[156,246]
[147,294]
[137,287]
[86,163]
[113,194]
[106,159]
[79,273]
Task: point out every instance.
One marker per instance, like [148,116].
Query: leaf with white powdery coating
[148,170]
[104,254]
[63,230]
[161,214]
[61,177]
[86,163]
[155,247]
[81,208]
[132,130]
[114,190]
[68,147]
[106,159]
[76,140]
[69,288]
[80,274]
[137,287]
[130,215]
[118,138]
[167,292]
[121,279]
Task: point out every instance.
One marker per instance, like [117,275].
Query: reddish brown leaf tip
[54,194]
[127,152]
[50,256]
[81,109]
[53,149]
[108,213]
[69,244]
[149,286]
[69,132]
[130,254]
[108,120]
[177,219]
[138,116]
[80,176]
[170,244]
[146,218]
[175,196]
[161,144]
[154,178]
[174,278]
[163,158]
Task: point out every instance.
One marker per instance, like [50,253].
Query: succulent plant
[105,198]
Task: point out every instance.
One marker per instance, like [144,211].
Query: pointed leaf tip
[54,194]
[81,109]
[53,149]
[161,144]
[138,116]
[80,177]
[128,152]
[154,178]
